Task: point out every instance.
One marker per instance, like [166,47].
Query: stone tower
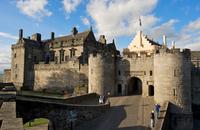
[172,80]
[18,62]
[101,73]
[24,54]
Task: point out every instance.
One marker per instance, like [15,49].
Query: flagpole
[140,24]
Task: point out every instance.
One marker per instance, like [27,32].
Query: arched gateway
[134,86]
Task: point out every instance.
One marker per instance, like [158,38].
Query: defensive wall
[59,111]
[58,76]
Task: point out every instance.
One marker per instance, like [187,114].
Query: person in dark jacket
[152,119]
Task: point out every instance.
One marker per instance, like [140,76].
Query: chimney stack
[164,40]
[20,33]
[52,35]
[173,44]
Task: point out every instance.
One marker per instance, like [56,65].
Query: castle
[146,68]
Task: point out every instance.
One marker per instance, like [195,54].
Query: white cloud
[189,36]
[120,17]
[166,28]
[8,35]
[34,8]
[70,5]
[194,46]
[5,57]
[85,21]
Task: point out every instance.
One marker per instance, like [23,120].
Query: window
[174,92]
[72,52]
[119,72]
[62,55]
[151,72]
[15,76]
[35,59]
[15,55]
[66,58]
[15,66]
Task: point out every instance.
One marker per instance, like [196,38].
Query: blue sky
[117,19]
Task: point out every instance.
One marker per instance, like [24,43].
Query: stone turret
[172,81]
[101,73]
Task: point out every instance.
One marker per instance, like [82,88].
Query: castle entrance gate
[134,86]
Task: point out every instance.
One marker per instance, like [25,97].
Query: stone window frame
[15,55]
[151,73]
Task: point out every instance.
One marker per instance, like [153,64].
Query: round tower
[101,73]
[172,82]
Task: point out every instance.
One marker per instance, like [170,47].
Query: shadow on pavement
[107,121]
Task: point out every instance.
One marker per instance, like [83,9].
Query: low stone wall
[163,122]
[59,110]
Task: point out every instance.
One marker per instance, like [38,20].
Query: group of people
[155,115]
[103,98]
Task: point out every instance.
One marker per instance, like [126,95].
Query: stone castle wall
[195,58]
[136,66]
[7,76]
[68,74]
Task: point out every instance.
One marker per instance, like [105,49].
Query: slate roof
[153,42]
[78,36]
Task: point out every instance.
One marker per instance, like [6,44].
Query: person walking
[157,109]
[152,119]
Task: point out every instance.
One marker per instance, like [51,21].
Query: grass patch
[36,122]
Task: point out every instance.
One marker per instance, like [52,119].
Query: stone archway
[134,86]
[40,123]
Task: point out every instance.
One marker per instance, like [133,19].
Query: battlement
[105,56]
[100,54]
[134,55]
[176,51]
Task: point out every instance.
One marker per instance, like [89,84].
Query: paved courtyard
[126,113]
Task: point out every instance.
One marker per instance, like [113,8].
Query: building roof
[71,37]
[152,42]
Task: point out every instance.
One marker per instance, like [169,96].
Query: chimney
[52,35]
[173,44]
[102,39]
[164,40]
[36,37]
[20,33]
